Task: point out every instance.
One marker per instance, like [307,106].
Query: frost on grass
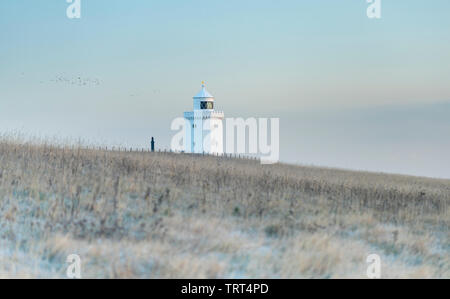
[157,215]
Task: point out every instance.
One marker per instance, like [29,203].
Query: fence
[164,151]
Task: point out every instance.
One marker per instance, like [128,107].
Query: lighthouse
[203,125]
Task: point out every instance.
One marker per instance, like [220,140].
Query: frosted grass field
[157,215]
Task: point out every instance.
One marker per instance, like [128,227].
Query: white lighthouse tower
[204,128]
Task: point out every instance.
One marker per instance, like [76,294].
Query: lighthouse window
[206,105]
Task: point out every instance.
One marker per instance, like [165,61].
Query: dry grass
[155,215]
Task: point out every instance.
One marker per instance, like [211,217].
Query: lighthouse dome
[203,100]
[203,93]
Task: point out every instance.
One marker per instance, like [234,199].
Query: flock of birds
[77,81]
[81,81]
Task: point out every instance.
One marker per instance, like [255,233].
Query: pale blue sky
[350,92]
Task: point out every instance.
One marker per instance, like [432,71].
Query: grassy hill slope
[157,215]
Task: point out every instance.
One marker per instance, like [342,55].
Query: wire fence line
[163,151]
